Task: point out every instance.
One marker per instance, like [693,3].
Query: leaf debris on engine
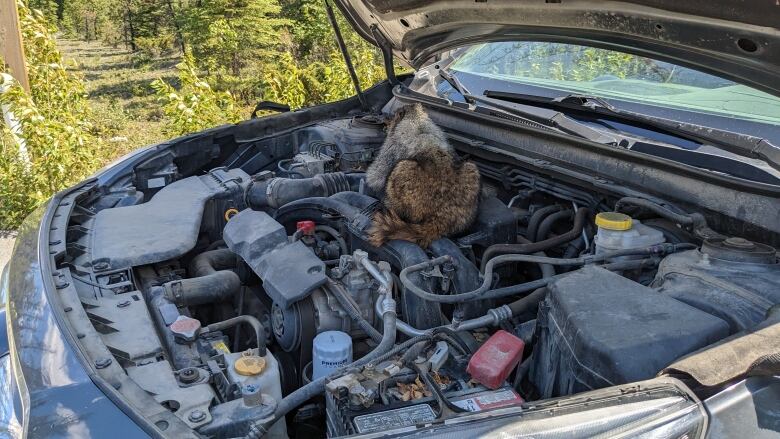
[417,389]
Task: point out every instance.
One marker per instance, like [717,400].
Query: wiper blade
[735,143]
[557,121]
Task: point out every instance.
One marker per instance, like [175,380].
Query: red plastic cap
[306,227]
[495,359]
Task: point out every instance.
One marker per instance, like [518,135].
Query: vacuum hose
[252,321]
[502,249]
[484,292]
[695,220]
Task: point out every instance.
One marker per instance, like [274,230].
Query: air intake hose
[276,192]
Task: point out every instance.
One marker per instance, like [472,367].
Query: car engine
[226,294]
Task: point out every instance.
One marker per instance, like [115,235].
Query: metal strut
[345,54]
[387,55]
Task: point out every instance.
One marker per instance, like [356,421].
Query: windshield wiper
[455,83]
[556,120]
[740,144]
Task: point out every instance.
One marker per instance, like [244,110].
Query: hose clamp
[388,305]
[269,190]
[174,290]
[500,314]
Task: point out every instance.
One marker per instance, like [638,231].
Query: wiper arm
[735,143]
[455,83]
[557,121]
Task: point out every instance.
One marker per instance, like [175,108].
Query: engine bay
[247,300]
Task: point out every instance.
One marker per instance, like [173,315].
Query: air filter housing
[598,329]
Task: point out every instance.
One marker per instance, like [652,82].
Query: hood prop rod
[345,54]
[387,55]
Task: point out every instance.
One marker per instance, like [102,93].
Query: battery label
[491,400]
[396,418]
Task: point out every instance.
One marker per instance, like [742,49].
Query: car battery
[344,418]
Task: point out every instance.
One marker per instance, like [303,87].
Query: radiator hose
[212,280]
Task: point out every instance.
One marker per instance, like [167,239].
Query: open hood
[735,40]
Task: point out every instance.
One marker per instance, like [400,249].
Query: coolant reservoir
[261,373]
[618,231]
[330,351]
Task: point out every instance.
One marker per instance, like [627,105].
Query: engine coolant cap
[613,221]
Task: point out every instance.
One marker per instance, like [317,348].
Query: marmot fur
[426,192]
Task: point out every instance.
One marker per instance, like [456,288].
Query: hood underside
[735,40]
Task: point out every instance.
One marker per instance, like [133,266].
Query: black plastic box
[598,329]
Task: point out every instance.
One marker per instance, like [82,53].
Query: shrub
[54,121]
[195,106]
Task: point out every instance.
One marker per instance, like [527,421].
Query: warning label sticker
[397,418]
[490,400]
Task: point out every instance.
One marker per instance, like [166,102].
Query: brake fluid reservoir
[330,351]
[618,231]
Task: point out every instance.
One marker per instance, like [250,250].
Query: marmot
[426,191]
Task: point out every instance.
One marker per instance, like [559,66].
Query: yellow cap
[230,213]
[249,365]
[613,221]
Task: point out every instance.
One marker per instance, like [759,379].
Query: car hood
[735,40]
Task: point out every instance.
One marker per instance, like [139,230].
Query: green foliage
[559,62]
[226,35]
[289,88]
[242,51]
[154,46]
[311,70]
[54,125]
[282,50]
[49,8]
[195,106]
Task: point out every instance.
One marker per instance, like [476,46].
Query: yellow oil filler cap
[249,365]
[613,221]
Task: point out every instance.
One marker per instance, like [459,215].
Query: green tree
[227,35]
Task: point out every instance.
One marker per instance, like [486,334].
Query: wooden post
[12,51]
[11,48]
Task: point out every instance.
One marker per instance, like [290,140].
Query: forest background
[107,77]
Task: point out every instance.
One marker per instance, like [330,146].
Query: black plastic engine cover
[598,329]
[290,271]
[738,291]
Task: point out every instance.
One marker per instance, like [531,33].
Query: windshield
[616,75]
